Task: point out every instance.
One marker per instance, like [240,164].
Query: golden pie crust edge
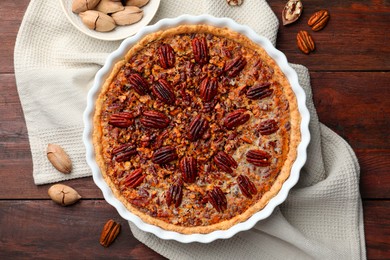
[295,134]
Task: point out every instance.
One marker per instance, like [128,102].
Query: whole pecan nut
[200,50]
[133,179]
[198,127]
[123,152]
[166,56]
[235,66]
[259,90]
[189,169]
[234,2]
[246,186]
[110,231]
[121,119]
[258,158]
[164,155]
[208,89]
[175,193]
[225,162]
[268,127]
[218,199]
[305,42]
[292,11]
[154,119]
[319,20]
[163,91]
[236,118]
[138,83]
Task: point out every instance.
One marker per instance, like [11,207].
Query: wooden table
[350,73]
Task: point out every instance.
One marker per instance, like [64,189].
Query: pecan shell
[268,127]
[236,118]
[258,158]
[305,42]
[164,155]
[154,119]
[163,91]
[198,127]
[208,89]
[110,231]
[200,50]
[319,20]
[235,66]
[292,11]
[189,169]
[123,152]
[166,56]
[225,162]
[138,83]
[121,119]
[218,199]
[133,179]
[246,186]
[259,91]
[175,194]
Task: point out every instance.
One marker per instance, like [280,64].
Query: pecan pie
[196,129]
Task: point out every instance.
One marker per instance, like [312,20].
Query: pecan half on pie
[196,129]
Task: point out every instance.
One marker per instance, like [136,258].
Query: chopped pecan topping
[133,179]
[259,91]
[246,186]
[163,91]
[218,199]
[268,127]
[189,169]
[208,89]
[138,83]
[166,56]
[197,128]
[200,50]
[258,158]
[175,193]
[234,66]
[225,162]
[236,118]
[164,155]
[121,119]
[123,152]
[154,119]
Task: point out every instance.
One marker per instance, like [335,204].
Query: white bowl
[117,55]
[120,32]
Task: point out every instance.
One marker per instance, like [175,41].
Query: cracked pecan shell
[164,155]
[258,158]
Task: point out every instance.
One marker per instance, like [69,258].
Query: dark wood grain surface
[350,72]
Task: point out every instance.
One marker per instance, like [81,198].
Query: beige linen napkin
[55,66]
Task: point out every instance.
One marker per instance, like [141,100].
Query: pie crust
[206,94]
